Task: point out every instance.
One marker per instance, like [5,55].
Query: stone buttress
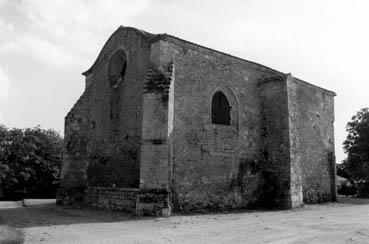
[283,159]
[157,145]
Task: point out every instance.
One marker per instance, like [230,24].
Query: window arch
[117,68]
[220,109]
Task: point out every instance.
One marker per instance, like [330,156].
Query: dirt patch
[10,235]
[346,222]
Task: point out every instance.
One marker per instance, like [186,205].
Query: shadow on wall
[105,171]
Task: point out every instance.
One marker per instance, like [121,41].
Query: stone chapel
[168,125]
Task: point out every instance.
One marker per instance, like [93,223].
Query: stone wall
[103,129]
[296,167]
[111,198]
[276,140]
[152,129]
[212,163]
[156,147]
[315,108]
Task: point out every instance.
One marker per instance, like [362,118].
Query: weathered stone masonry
[180,127]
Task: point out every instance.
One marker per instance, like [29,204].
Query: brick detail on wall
[111,198]
[153,202]
[158,81]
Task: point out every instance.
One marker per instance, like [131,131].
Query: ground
[344,222]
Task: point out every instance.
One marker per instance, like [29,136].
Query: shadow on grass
[353,200]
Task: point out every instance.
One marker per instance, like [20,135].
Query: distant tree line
[356,166]
[30,161]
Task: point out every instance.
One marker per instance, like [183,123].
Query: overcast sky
[45,46]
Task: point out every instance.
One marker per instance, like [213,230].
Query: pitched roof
[173,39]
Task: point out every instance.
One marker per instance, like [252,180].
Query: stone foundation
[111,198]
[153,202]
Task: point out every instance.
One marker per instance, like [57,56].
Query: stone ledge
[111,198]
[113,188]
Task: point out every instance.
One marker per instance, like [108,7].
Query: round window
[117,68]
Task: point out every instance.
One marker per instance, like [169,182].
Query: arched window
[220,109]
[117,68]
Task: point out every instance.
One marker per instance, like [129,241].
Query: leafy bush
[347,190]
[356,146]
[30,162]
[363,189]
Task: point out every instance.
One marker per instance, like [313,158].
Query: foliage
[347,190]
[363,189]
[341,170]
[356,146]
[30,162]
[351,188]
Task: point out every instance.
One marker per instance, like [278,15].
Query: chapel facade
[168,125]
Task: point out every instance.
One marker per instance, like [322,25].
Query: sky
[45,46]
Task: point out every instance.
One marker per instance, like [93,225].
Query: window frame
[108,75]
[233,103]
[220,109]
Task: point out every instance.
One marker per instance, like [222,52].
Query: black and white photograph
[198,121]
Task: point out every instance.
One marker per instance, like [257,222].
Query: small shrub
[363,189]
[30,161]
[347,190]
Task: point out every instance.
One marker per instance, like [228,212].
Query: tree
[342,170]
[30,162]
[356,146]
